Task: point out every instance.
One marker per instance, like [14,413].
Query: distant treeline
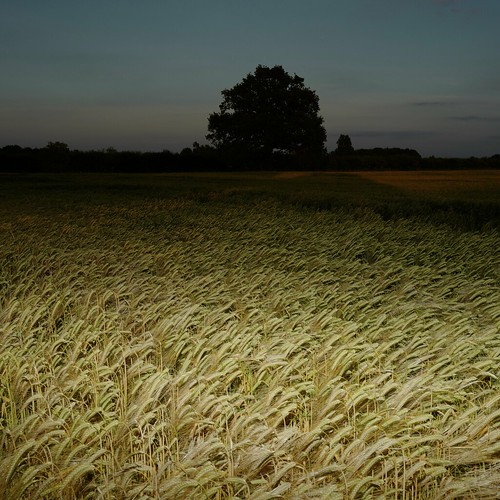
[57,157]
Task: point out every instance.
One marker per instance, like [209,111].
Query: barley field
[216,336]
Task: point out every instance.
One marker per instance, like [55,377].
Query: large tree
[344,145]
[268,112]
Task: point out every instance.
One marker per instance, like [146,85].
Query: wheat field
[234,346]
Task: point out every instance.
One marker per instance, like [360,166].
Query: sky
[145,75]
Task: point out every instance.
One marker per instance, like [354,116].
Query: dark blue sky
[423,74]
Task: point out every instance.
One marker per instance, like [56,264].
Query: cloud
[475,118]
[397,134]
[457,6]
[447,2]
[432,104]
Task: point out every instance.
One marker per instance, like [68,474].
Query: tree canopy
[268,112]
[344,145]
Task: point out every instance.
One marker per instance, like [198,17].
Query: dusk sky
[421,74]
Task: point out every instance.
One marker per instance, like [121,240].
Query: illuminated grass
[218,346]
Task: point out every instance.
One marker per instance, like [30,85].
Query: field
[250,336]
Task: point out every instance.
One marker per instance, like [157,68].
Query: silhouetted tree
[344,145]
[268,112]
[57,147]
[56,155]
